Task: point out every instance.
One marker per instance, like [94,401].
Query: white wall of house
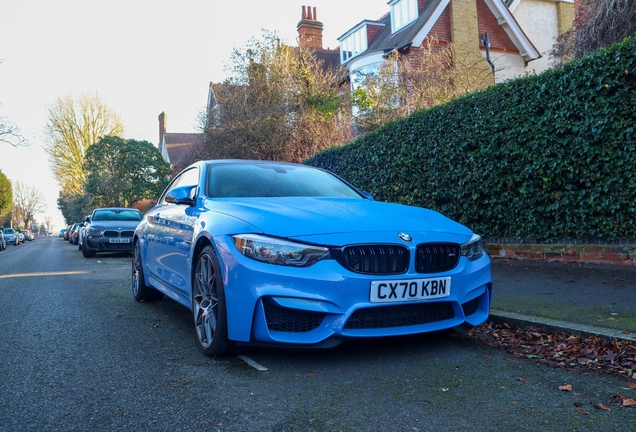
[539,21]
[507,66]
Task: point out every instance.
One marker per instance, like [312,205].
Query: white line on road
[252,363]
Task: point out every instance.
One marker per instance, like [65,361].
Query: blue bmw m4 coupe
[286,254]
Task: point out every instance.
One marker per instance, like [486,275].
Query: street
[79,354]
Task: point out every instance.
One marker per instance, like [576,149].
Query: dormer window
[403,12]
[353,43]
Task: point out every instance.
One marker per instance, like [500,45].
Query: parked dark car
[110,230]
[28,235]
[66,232]
[73,236]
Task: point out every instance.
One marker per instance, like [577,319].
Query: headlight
[473,249]
[281,252]
[94,231]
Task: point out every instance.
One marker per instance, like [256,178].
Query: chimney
[163,124]
[309,29]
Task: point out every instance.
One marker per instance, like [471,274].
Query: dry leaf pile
[561,349]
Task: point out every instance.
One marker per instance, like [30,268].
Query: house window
[403,12]
[353,44]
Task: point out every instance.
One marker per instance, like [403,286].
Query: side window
[186,178]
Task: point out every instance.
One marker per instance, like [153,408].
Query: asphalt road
[79,354]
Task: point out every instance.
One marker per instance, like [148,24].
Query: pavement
[581,299]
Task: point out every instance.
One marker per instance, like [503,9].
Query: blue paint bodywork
[171,236]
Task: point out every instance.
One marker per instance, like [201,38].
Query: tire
[208,305]
[87,252]
[140,290]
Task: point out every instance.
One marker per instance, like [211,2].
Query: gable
[434,20]
[488,23]
[178,145]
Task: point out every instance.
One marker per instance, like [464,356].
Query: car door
[169,234]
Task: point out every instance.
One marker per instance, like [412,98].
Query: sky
[142,57]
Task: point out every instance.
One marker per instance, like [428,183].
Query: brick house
[175,146]
[463,23]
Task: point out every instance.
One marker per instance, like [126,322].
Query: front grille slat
[380,259]
[114,233]
[436,257]
[400,315]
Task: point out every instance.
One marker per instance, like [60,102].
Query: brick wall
[465,34]
[372,32]
[565,16]
[442,28]
[499,40]
[622,252]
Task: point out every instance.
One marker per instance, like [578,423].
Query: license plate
[405,290]
[120,240]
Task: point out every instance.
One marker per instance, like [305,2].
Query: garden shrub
[546,156]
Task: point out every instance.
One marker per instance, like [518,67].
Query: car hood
[114,225]
[301,217]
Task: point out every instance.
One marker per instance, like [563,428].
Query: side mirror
[88,219]
[184,195]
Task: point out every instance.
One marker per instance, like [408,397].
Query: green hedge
[546,156]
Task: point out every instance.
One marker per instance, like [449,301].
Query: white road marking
[252,363]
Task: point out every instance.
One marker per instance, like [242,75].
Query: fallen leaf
[582,411]
[603,407]
[629,403]
[311,374]
[566,387]
[632,386]
[521,379]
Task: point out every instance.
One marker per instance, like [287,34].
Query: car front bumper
[325,302]
[105,244]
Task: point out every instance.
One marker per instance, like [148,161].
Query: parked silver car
[10,236]
[3,243]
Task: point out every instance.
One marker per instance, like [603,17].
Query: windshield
[274,180]
[116,215]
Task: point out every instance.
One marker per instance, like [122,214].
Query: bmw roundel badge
[405,237]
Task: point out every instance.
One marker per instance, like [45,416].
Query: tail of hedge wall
[547,156]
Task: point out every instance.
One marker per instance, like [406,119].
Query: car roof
[115,208]
[250,162]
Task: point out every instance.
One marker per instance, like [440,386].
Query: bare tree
[48,223]
[10,134]
[434,73]
[27,202]
[598,23]
[74,124]
[279,103]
